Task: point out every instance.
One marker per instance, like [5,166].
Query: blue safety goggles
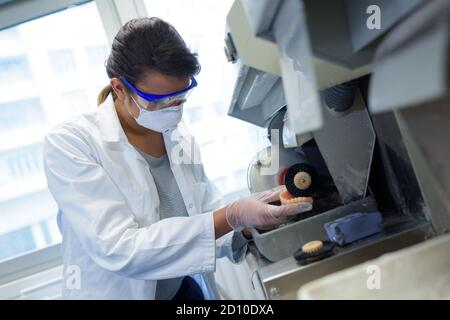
[159,101]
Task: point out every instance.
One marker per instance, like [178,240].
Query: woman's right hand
[256,212]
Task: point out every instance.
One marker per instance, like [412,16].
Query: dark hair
[148,44]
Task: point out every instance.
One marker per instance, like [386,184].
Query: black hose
[340,98]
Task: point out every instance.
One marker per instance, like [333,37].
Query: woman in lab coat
[138,216]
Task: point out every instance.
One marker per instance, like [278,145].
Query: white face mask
[159,120]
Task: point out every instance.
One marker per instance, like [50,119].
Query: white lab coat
[114,244]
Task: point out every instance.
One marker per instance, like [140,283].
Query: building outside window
[50,70]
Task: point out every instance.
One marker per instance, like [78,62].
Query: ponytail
[104,94]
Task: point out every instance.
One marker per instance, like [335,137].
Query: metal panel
[390,12]
[347,143]
[395,162]
[401,80]
[260,14]
[253,51]
[331,36]
[255,88]
[257,96]
[427,138]
[299,78]
[411,63]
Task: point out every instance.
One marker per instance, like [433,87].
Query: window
[240,175]
[62,61]
[221,183]
[194,113]
[14,68]
[20,164]
[234,143]
[21,114]
[35,94]
[218,109]
[75,101]
[96,55]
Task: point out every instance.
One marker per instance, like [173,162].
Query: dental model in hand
[287,198]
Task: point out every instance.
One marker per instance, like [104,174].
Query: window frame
[30,263]
[14,13]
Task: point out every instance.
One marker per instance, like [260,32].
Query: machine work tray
[283,241]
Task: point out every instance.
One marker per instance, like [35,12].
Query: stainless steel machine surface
[282,279]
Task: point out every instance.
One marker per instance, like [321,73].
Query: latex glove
[255,212]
